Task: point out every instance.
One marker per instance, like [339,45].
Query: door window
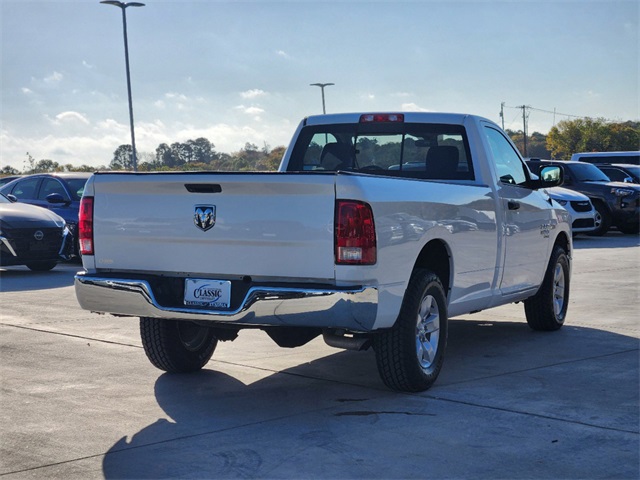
[507,161]
[26,189]
[49,186]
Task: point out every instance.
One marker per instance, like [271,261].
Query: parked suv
[632,158]
[584,217]
[621,172]
[617,203]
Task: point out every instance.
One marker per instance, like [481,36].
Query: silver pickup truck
[376,229]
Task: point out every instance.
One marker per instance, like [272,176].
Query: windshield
[428,151]
[4,199]
[585,172]
[76,187]
[635,171]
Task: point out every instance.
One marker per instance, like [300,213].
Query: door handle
[513,205]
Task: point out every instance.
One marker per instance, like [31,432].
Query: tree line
[564,139]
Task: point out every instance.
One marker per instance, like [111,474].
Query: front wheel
[410,354]
[602,220]
[177,346]
[630,229]
[547,309]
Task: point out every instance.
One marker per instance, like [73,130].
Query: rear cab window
[411,150]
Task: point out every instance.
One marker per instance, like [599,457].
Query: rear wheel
[177,346]
[547,309]
[410,354]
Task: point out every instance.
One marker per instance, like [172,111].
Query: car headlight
[562,202]
[621,192]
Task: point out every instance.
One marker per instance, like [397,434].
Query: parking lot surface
[79,399]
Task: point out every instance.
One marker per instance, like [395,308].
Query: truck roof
[409,117]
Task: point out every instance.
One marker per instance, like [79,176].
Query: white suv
[584,218]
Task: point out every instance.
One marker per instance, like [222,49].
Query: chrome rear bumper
[350,308]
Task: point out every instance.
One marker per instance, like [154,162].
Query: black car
[32,236]
[58,192]
[620,172]
[617,203]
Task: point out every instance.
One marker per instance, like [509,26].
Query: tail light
[85,226]
[355,242]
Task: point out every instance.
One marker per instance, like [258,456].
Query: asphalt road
[80,400]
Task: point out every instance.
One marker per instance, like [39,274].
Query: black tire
[177,346]
[411,353]
[603,220]
[41,266]
[630,229]
[547,309]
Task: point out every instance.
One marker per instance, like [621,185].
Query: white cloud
[401,94]
[87,65]
[283,54]
[111,125]
[412,107]
[252,111]
[54,78]
[256,92]
[70,117]
[368,96]
[176,96]
[26,91]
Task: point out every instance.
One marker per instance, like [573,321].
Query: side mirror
[551,176]
[56,198]
[12,198]
[628,180]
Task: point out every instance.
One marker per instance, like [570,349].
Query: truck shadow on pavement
[20,279]
[220,427]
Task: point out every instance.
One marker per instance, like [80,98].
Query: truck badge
[205,217]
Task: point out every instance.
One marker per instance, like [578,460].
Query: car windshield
[585,172]
[635,171]
[4,199]
[76,187]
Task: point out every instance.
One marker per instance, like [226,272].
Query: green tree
[7,170]
[47,166]
[536,144]
[122,158]
[592,135]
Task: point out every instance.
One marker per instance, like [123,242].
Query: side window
[508,164]
[49,186]
[26,189]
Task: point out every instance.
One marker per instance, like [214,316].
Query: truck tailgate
[266,225]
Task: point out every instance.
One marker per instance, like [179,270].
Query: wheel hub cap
[427,331]
[558,290]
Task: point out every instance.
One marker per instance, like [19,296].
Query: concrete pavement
[79,399]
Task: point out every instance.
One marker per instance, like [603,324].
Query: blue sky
[239,71]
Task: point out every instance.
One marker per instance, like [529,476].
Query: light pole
[123,6]
[322,85]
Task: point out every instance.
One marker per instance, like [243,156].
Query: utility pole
[524,126]
[502,114]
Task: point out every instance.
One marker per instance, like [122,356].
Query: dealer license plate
[207,293]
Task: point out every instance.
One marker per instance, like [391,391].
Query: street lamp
[322,85]
[123,6]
